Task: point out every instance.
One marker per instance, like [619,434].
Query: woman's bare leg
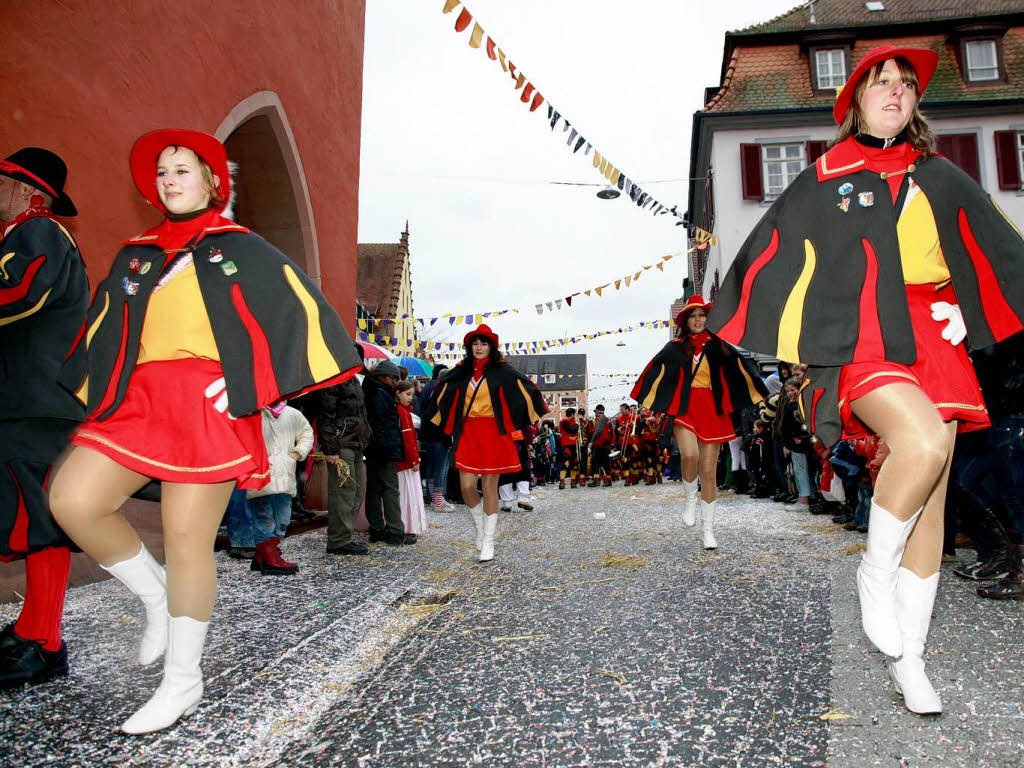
[191,516]
[490,488]
[689,451]
[923,554]
[467,480]
[87,491]
[919,446]
[708,464]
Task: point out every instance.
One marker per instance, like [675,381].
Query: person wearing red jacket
[410,489]
[600,446]
[569,438]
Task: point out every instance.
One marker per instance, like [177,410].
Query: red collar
[849,156]
[167,232]
[32,212]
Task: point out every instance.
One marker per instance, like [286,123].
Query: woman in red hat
[191,333]
[481,402]
[701,381]
[872,267]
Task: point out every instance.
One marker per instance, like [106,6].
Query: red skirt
[166,428]
[483,450]
[943,372]
[703,420]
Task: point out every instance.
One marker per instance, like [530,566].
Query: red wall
[85,78]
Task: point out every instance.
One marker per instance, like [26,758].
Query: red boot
[268,560]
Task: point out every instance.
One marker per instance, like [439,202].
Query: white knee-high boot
[915,598]
[490,526]
[876,578]
[707,523]
[146,578]
[182,687]
[477,513]
[689,502]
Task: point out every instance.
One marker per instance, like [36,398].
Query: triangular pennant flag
[550,305]
[540,309]
[597,159]
[669,256]
[477,37]
[598,290]
[362,324]
[587,150]
[463,21]
[451,321]
[501,60]
[449,5]
[586,293]
[520,81]
[636,276]
[558,303]
[627,278]
[469,320]
[579,143]
[646,267]
[478,319]
[623,181]
[511,69]
[572,138]
[604,166]
[660,265]
[634,191]
[490,49]
[568,300]
[537,101]
[554,115]
[617,283]
[527,92]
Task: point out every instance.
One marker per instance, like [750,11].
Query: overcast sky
[447,144]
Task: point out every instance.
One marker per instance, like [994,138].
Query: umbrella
[372,351]
[414,365]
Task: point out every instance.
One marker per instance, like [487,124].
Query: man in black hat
[44,293]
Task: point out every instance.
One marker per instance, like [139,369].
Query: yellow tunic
[920,251]
[481,403]
[702,376]
[176,324]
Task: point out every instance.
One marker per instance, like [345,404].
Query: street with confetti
[585,642]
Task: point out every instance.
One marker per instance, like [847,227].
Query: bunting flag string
[575,141]
[467,318]
[392,343]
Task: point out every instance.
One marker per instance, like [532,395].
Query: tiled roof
[769,77]
[379,277]
[854,13]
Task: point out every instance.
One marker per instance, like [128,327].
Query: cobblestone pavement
[586,642]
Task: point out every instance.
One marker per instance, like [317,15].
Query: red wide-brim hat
[923,60]
[694,302]
[481,330]
[147,151]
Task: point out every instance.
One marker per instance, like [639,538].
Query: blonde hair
[919,133]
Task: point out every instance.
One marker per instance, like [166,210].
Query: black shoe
[842,518]
[993,569]
[26,661]
[525,505]
[781,496]
[242,553]
[791,498]
[352,548]
[7,638]
[378,536]
[400,539]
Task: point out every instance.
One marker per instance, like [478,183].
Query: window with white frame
[830,67]
[1020,154]
[982,60]
[782,164]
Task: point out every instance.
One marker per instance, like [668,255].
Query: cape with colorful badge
[276,334]
[516,400]
[819,280]
[664,385]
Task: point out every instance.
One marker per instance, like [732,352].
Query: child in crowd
[410,489]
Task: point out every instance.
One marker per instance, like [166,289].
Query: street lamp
[608,193]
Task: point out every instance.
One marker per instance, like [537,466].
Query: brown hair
[919,133]
[404,384]
[217,200]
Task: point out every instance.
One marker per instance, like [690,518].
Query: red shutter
[1007,165]
[962,150]
[750,164]
[815,149]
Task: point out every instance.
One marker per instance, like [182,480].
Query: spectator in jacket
[343,432]
[777,379]
[436,448]
[385,450]
[796,443]
[289,439]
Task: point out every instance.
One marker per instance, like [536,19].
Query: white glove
[955,332]
[218,390]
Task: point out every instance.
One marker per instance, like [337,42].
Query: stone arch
[273,198]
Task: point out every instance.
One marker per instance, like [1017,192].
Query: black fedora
[42,169]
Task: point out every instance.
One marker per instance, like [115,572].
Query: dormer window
[981,61]
[829,68]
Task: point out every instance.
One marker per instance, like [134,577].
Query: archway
[271,194]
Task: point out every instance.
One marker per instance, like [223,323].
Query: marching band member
[699,380]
